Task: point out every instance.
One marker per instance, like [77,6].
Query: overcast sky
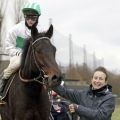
[95,23]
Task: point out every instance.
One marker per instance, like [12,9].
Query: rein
[42,74]
[44,79]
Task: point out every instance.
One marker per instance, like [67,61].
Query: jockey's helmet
[31,8]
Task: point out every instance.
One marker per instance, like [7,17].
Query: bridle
[42,75]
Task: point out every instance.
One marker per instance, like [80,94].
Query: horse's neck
[32,89]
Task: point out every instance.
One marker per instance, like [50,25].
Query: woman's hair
[102,69]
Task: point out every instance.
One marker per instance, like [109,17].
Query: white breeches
[12,67]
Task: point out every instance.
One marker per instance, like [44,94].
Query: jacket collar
[102,91]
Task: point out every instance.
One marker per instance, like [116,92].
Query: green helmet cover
[35,7]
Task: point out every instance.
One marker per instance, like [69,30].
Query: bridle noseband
[42,75]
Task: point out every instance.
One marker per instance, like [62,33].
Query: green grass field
[116,114]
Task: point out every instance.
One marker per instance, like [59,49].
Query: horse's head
[42,55]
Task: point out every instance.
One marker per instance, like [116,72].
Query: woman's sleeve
[103,112]
[69,94]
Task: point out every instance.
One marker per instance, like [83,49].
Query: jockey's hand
[73,107]
[18,53]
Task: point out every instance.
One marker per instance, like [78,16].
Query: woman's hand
[73,107]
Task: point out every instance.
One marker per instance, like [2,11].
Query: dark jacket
[62,115]
[92,104]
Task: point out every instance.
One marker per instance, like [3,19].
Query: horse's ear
[49,32]
[34,32]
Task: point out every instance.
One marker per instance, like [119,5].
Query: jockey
[15,39]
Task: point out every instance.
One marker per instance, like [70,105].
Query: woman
[95,103]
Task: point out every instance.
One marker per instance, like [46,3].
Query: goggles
[32,17]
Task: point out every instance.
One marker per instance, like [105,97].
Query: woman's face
[31,19]
[98,80]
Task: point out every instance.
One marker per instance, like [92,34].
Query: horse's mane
[25,50]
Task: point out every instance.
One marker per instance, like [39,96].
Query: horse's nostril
[56,78]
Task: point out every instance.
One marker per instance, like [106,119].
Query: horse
[28,95]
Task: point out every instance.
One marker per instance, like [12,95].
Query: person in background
[59,107]
[16,37]
[94,103]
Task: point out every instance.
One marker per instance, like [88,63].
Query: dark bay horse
[28,95]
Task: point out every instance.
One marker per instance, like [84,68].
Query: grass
[116,114]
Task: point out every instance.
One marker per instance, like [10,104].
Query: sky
[95,23]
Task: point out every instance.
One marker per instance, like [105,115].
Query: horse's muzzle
[55,81]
